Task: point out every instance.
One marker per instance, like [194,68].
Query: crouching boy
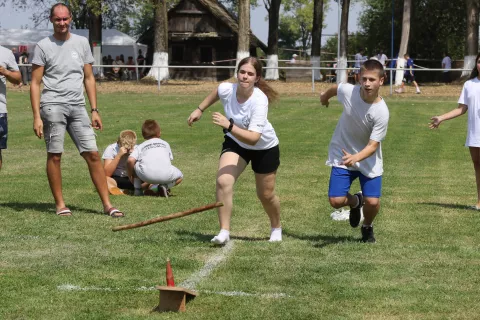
[151,163]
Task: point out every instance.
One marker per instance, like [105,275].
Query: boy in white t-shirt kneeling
[115,163]
[150,162]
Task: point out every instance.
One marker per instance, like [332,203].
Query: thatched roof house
[201,32]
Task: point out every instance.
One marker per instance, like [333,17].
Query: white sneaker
[340,215]
[222,238]
[399,90]
[276,235]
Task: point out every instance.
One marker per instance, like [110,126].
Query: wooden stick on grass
[168,217]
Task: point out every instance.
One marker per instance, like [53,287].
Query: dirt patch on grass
[284,88]
[172,87]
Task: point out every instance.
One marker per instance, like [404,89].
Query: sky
[12,19]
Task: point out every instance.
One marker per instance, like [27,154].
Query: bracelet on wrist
[230,127]
[94,110]
[200,109]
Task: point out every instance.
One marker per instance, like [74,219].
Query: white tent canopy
[114,42]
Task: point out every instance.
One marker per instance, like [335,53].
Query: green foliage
[295,27]
[436,26]
[356,41]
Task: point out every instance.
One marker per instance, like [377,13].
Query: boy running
[355,148]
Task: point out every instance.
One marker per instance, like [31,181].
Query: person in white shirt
[115,163]
[446,66]
[358,63]
[150,164]
[382,58]
[355,149]
[8,72]
[469,101]
[294,58]
[249,136]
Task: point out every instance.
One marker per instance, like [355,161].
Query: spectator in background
[24,69]
[130,70]
[105,62]
[140,62]
[110,61]
[408,75]
[122,58]
[358,63]
[294,58]
[16,55]
[382,58]
[446,66]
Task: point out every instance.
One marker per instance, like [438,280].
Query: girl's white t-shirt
[250,115]
[470,97]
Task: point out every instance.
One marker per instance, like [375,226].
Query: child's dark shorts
[123,182]
[263,161]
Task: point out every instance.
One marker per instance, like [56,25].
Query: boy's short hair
[373,65]
[150,129]
[127,139]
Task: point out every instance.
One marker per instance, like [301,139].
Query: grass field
[424,265]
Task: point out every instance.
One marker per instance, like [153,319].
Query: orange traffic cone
[170,281]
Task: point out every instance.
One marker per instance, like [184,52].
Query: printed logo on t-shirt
[369,117]
[74,55]
[246,121]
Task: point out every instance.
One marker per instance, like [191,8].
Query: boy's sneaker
[355,214]
[162,192]
[367,234]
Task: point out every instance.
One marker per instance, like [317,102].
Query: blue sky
[12,19]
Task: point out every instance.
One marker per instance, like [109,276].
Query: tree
[317,37]
[296,22]
[160,42]
[471,36]
[342,59]
[243,49]
[407,9]
[273,8]
[436,27]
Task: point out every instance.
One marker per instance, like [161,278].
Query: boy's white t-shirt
[250,115]
[153,156]
[359,123]
[110,153]
[470,97]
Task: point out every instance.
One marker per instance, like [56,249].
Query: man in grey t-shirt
[8,71]
[64,62]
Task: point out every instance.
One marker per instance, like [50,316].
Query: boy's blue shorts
[341,180]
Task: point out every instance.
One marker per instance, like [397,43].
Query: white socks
[276,234]
[222,238]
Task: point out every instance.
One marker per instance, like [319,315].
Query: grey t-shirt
[7,60]
[63,62]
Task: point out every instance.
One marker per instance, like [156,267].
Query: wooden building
[201,32]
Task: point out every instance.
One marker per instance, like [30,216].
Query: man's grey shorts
[72,118]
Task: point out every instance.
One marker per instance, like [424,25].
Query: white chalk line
[191,283]
[208,268]
[71,287]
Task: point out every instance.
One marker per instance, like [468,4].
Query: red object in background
[170,280]
[22,49]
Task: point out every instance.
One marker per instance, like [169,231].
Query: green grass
[424,266]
